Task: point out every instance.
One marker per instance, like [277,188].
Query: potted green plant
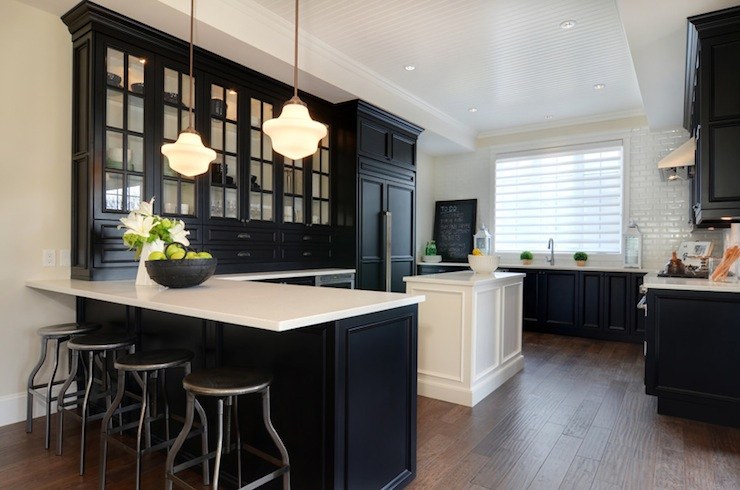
[580,258]
[526,257]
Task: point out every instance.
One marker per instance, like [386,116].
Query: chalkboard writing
[454,226]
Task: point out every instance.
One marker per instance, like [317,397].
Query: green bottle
[431,248]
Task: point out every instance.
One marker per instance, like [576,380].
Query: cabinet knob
[307,254]
[307,238]
[244,236]
[244,254]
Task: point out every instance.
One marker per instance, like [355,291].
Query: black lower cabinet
[583,303]
[692,361]
[343,397]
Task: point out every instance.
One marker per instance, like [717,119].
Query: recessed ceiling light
[599,86]
[409,68]
[473,109]
[568,24]
[548,116]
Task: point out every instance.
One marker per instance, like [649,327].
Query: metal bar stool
[95,345]
[58,333]
[227,384]
[142,365]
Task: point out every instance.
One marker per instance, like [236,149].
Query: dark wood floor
[576,417]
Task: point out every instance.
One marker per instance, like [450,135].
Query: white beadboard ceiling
[508,58]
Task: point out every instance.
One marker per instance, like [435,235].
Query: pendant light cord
[192,82]
[295,55]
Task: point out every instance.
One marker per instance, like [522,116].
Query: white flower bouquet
[144,228]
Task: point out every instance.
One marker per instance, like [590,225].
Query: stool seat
[154,360]
[102,341]
[225,381]
[66,329]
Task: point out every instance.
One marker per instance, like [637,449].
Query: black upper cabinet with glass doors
[253,209]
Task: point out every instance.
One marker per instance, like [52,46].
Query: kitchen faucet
[551,248]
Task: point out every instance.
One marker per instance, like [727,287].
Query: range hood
[676,164]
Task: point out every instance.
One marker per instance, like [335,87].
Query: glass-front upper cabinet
[320,188]
[178,191]
[224,199]
[124,131]
[261,164]
[293,191]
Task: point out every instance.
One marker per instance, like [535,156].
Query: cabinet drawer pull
[245,236]
[307,238]
[244,254]
[307,254]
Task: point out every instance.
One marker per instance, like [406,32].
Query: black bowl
[183,273]
[113,79]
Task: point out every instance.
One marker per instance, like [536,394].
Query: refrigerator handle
[388,226]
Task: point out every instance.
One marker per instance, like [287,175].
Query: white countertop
[652,281]
[563,267]
[464,278]
[261,276]
[276,307]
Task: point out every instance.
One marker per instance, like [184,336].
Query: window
[572,194]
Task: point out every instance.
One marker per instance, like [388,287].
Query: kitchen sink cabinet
[583,303]
[712,114]
[131,92]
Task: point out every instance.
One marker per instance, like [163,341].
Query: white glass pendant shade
[187,155]
[294,134]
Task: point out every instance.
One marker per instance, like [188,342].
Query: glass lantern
[632,246]
[482,241]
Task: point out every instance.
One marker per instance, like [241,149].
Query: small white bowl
[432,258]
[483,264]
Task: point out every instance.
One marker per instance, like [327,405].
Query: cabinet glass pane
[231,105]
[217,199]
[287,209]
[231,210]
[298,182]
[171,86]
[266,148]
[324,213]
[255,178]
[114,108]
[255,112]
[298,211]
[230,144]
[232,169]
[324,161]
[320,182]
[136,74]
[134,191]
[114,156]
[316,185]
[267,207]
[114,191]
[187,194]
[261,164]
[186,91]
[267,177]
[114,65]
[136,114]
[255,205]
[217,134]
[324,187]
[135,154]
[170,123]
[254,143]
[169,196]
[316,212]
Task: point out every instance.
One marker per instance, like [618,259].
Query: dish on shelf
[172,97]
[218,107]
[113,80]
[137,88]
[432,259]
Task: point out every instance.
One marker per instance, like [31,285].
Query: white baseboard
[13,406]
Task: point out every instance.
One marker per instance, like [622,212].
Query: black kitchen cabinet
[583,303]
[131,92]
[712,114]
[692,363]
[431,268]
[376,195]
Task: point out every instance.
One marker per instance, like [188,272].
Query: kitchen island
[470,333]
[692,348]
[344,364]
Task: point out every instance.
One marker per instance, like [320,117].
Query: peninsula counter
[343,361]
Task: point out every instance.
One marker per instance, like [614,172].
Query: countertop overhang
[276,307]
[261,276]
[544,266]
[652,281]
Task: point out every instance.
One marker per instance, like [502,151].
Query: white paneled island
[470,333]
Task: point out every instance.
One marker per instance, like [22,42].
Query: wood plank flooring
[577,417]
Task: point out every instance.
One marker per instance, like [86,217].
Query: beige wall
[35,56]
[424,200]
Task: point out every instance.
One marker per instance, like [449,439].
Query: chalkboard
[454,227]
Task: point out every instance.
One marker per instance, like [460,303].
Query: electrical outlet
[64,258]
[49,258]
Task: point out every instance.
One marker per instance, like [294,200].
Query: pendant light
[294,134]
[188,156]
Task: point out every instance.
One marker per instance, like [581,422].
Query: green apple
[178,255]
[157,255]
[174,248]
[204,255]
[191,255]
